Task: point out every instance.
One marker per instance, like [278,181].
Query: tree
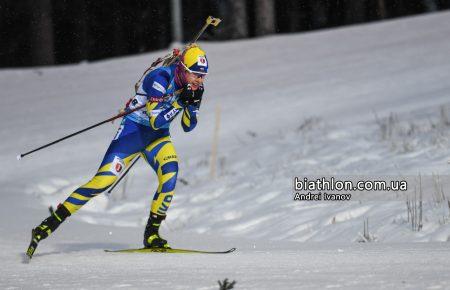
[381,8]
[430,5]
[318,13]
[234,14]
[264,17]
[355,11]
[42,32]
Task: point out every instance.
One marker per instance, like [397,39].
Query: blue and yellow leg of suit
[163,159]
[133,139]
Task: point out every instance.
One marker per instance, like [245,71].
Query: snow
[360,102]
[371,266]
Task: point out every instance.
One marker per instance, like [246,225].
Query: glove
[190,97]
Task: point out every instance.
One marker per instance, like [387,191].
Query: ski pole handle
[20,156]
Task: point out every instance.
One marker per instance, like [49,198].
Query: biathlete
[167,91]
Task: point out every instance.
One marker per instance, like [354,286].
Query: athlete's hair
[180,74]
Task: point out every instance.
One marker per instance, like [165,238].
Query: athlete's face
[195,80]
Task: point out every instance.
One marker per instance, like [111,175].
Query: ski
[34,242]
[31,248]
[172,251]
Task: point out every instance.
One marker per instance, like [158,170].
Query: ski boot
[47,226]
[152,239]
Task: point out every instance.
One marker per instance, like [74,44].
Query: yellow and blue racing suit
[144,132]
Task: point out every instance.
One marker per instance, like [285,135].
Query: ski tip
[232,250]
[19,156]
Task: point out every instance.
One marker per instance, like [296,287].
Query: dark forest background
[47,32]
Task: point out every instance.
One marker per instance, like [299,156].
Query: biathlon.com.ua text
[319,188]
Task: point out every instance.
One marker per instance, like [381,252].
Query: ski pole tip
[19,157]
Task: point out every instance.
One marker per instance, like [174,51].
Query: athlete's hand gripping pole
[81,131]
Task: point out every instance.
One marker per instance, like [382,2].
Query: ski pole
[123,175]
[20,156]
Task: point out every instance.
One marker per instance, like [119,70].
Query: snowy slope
[370,100]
